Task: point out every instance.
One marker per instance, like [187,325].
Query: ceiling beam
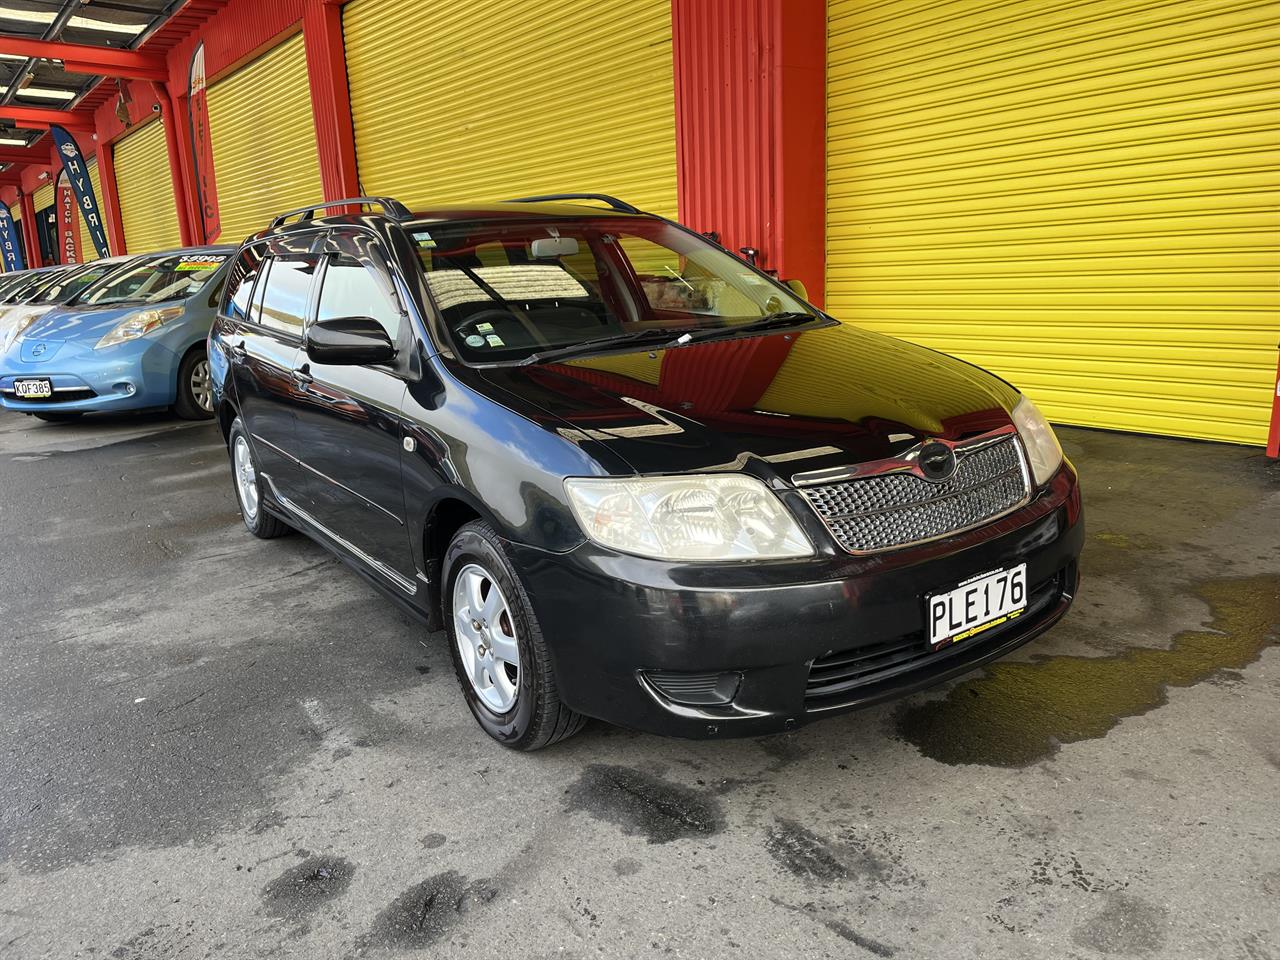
[83,58]
[21,156]
[44,116]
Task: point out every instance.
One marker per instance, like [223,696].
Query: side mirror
[798,288]
[349,341]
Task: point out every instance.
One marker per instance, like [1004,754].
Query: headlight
[1039,440]
[18,329]
[688,518]
[138,325]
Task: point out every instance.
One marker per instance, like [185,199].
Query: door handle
[238,351]
[303,376]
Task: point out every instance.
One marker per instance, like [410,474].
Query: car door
[265,344]
[349,417]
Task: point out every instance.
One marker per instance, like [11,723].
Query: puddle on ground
[1016,714]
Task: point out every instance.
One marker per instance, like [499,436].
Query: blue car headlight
[138,325]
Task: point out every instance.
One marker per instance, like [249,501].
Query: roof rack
[614,203]
[392,208]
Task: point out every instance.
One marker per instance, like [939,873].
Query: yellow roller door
[1080,196]
[498,98]
[147,209]
[264,141]
[43,197]
[87,250]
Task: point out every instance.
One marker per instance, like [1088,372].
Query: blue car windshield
[175,277]
[70,285]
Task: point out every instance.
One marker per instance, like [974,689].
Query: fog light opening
[696,689]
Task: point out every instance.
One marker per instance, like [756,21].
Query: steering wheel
[492,314]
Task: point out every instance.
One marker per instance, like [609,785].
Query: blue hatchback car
[135,340]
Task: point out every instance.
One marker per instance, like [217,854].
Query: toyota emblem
[937,461]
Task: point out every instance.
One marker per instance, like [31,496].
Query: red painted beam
[330,99]
[73,123]
[82,58]
[45,116]
[750,128]
[22,155]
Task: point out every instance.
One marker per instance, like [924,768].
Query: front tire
[499,653]
[248,484]
[195,387]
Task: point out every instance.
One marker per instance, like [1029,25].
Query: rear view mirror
[798,288]
[552,248]
[349,341]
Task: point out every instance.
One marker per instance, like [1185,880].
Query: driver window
[355,286]
[350,290]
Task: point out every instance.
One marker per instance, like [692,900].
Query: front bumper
[130,376]
[805,640]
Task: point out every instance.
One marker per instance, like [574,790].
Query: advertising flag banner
[68,235]
[78,176]
[9,246]
[202,147]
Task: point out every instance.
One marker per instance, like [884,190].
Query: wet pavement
[219,747]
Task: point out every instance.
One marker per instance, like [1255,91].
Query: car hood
[799,401]
[84,323]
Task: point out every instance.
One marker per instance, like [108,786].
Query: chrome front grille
[898,507]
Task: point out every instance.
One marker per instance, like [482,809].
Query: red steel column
[187,167]
[330,98]
[110,199]
[750,84]
[181,195]
[30,231]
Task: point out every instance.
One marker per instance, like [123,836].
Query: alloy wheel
[246,479]
[202,385]
[486,638]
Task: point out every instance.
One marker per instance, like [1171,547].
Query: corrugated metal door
[1081,197]
[264,141]
[498,98]
[87,250]
[43,197]
[147,210]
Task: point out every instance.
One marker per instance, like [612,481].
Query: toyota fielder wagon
[632,476]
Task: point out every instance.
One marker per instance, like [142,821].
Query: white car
[47,289]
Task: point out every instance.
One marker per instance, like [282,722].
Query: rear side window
[287,288]
[244,272]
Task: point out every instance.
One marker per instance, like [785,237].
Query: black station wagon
[631,475]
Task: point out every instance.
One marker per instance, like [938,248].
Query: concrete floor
[218,747]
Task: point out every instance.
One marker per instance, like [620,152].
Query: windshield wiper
[773,321]
[662,335]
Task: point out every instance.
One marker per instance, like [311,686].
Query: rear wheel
[195,387]
[248,483]
[499,654]
[58,417]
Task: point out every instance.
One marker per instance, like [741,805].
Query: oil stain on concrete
[1126,926]
[427,911]
[302,888]
[1016,714]
[644,805]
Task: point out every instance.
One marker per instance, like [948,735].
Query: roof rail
[392,208]
[614,203]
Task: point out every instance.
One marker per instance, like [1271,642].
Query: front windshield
[70,285]
[23,292]
[157,280]
[510,289]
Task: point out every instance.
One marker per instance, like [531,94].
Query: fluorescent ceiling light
[12,142]
[89,23]
[49,92]
[82,23]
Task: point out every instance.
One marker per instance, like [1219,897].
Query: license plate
[33,389]
[976,605]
